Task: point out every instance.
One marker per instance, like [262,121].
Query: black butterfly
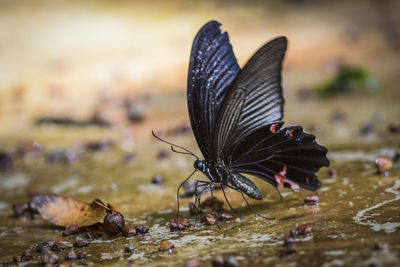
[236,117]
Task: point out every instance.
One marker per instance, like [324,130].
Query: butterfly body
[220,174]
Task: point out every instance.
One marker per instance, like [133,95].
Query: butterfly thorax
[216,173]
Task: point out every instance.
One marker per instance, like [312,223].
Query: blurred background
[102,60]
[83,83]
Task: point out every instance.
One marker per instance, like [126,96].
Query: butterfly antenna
[279,192]
[188,152]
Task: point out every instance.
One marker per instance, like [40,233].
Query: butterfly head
[199,165]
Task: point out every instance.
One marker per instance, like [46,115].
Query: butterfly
[236,117]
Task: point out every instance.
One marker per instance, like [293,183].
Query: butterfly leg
[177,192]
[198,198]
[227,201]
[248,204]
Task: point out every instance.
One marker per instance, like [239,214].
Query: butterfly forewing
[253,100]
[212,68]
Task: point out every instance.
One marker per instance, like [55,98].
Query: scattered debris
[166,246]
[224,216]
[81,243]
[163,154]
[52,245]
[142,229]
[101,145]
[64,211]
[6,161]
[209,219]
[384,165]
[179,224]
[366,129]
[113,222]
[25,256]
[224,261]
[129,158]
[381,246]
[48,258]
[65,121]
[193,209]
[129,231]
[72,255]
[311,200]
[158,179]
[332,173]
[70,230]
[213,204]
[394,128]
[304,229]
[338,117]
[130,249]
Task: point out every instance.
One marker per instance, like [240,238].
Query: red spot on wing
[273,126]
[282,180]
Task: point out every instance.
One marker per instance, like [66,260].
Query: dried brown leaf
[64,211]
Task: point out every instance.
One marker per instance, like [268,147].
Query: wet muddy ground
[358,210]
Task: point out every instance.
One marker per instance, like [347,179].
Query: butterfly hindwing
[212,68]
[276,154]
[253,100]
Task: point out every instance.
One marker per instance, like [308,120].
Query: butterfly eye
[198,165]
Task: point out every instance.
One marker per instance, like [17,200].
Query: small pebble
[166,245]
[209,219]
[162,154]
[304,229]
[81,243]
[129,231]
[72,255]
[129,158]
[130,249]
[381,246]
[142,229]
[332,173]
[384,165]
[366,129]
[20,209]
[394,128]
[179,224]
[396,157]
[193,209]
[224,216]
[25,256]
[48,258]
[311,200]
[6,161]
[213,203]
[294,232]
[158,179]
[70,230]
[131,264]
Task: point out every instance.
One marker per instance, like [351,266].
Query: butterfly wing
[212,68]
[286,156]
[248,136]
[253,100]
